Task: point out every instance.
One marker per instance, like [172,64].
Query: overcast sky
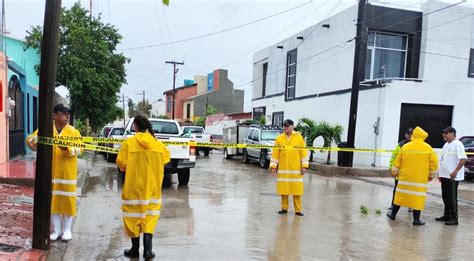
[148,22]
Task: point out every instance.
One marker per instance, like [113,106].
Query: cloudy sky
[148,22]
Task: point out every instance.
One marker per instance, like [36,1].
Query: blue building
[23,90]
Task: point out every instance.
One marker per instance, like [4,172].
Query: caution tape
[84,143]
[75,144]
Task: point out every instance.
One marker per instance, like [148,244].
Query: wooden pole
[44,160]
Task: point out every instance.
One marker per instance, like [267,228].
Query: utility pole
[358,75]
[175,71]
[90,8]
[44,159]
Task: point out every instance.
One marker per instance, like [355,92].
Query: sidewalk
[357,171]
[16,207]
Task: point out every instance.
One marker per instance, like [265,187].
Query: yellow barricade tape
[84,143]
[76,144]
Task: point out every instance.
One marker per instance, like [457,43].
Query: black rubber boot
[133,252]
[147,246]
[392,214]
[416,218]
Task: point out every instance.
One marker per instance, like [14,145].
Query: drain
[8,248]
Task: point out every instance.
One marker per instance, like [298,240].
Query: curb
[83,177]
[26,182]
[346,171]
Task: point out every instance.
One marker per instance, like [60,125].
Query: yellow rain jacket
[143,158]
[415,163]
[289,163]
[64,178]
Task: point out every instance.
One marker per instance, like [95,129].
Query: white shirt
[452,153]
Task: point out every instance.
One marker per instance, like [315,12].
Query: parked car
[183,157]
[251,134]
[104,133]
[468,142]
[197,134]
[116,132]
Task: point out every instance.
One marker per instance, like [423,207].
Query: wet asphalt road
[229,212]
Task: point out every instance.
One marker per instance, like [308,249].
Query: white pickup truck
[197,134]
[183,157]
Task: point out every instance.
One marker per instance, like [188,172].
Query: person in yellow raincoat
[143,158]
[415,166]
[63,202]
[289,166]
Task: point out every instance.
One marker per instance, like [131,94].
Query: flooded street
[229,211]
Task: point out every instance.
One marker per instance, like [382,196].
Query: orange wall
[181,96]
[3,118]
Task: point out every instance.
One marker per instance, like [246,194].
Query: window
[250,134]
[470,73]
[169,103]
[164,127]
[277,118]
[386,56]
[264,79]
[258,112]
[193,129]
[256,135]
[291,60]
[270,135]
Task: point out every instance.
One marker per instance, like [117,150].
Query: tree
[262,120]
[144,107]
[201,121]
[88,64]
[330,133]
[211,110]
[308,129]
[132,108]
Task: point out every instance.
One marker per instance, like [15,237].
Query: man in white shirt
[451,171]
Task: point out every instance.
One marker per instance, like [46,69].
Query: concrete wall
[26,59]
[3,110]
[201,82]
[316,64]
[224,97]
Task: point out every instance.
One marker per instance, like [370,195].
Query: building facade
[22,95]
[419,72]
[214,90]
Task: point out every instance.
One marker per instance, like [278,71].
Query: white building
[419,71]
[158,108]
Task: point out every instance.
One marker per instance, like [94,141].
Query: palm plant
[308,129]
[330,133]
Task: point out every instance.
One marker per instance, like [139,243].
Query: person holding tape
[63,202]
[143,158]
[289,166]
[415,166]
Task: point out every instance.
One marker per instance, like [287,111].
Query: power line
[274,36]
[218,32]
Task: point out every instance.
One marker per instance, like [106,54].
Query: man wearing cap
[451,171]
[63,203]
[289,166]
